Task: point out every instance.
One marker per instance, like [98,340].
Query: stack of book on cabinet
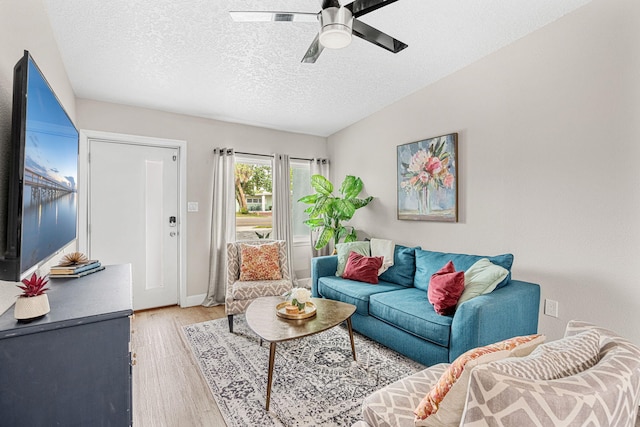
[75,270]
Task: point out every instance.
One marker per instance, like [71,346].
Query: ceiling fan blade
[258,16]
[314,51]
[370,34]
[362,7]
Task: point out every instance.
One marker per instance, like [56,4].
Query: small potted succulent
[33,302]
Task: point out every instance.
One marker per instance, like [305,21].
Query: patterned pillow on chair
[260,262]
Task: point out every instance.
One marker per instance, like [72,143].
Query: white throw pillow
[481,278]
[385,249]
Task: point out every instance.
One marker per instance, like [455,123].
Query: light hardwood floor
[168,389]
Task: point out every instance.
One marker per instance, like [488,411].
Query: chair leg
[230,318]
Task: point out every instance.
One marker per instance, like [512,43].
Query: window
[253,188]
[254,198]
[300,187]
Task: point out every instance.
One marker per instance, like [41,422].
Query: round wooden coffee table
[263,320]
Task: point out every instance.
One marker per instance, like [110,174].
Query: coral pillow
[259,262]
[445,288]
[446,400]
[362,268]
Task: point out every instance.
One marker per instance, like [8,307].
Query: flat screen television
[42,184]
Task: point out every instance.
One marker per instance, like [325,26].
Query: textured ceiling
[189,57]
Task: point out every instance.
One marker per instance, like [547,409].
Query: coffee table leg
[272,357]
[353,347]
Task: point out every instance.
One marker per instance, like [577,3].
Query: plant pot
[28,308]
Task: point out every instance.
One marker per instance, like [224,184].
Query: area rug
[315,380]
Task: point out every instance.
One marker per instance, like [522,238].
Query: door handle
[172,221]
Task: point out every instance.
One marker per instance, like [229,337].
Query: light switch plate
[551,308]
[192,207]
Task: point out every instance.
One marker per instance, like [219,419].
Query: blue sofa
[396,312]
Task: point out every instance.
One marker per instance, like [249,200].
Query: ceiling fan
[337,24]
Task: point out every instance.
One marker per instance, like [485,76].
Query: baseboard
[193,300]
[303,283]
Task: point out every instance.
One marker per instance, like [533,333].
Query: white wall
[24,25]
[549,139]
[202,136]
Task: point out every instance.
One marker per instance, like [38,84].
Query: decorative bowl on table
[288,311]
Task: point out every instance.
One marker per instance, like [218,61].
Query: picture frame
[427,179]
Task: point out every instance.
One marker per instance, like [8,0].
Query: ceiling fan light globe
[336,24]
[335,38]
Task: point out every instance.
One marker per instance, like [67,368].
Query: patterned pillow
[556,359]
[259,262]
[448,394]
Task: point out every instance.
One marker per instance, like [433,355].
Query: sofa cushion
[409,310]
[403,268]
[352,292]
[429,262]
[253,289]
[363,268]
[344,249]
[445,287]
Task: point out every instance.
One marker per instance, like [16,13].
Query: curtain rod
[271,156]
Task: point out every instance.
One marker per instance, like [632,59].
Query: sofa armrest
[504,313]
[322,266]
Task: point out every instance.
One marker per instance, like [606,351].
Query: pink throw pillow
[362,268]
[445,288]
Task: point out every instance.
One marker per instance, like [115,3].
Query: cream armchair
[240,294]
[605,394]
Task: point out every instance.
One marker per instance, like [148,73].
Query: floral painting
[427,179]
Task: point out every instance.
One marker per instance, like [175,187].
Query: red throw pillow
[362,268]
[445,288]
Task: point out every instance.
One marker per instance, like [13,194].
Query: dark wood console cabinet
[73,366]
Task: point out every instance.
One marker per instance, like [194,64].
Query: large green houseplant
[328,212]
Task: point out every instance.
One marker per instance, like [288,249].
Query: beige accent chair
[606,394]
[240,294]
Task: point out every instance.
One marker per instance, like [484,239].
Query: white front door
[133,216]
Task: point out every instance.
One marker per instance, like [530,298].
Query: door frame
[83,192]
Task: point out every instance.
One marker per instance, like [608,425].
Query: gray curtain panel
[223,223]
[282,227]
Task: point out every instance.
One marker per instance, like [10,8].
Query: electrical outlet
[192,207]
[551,307]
